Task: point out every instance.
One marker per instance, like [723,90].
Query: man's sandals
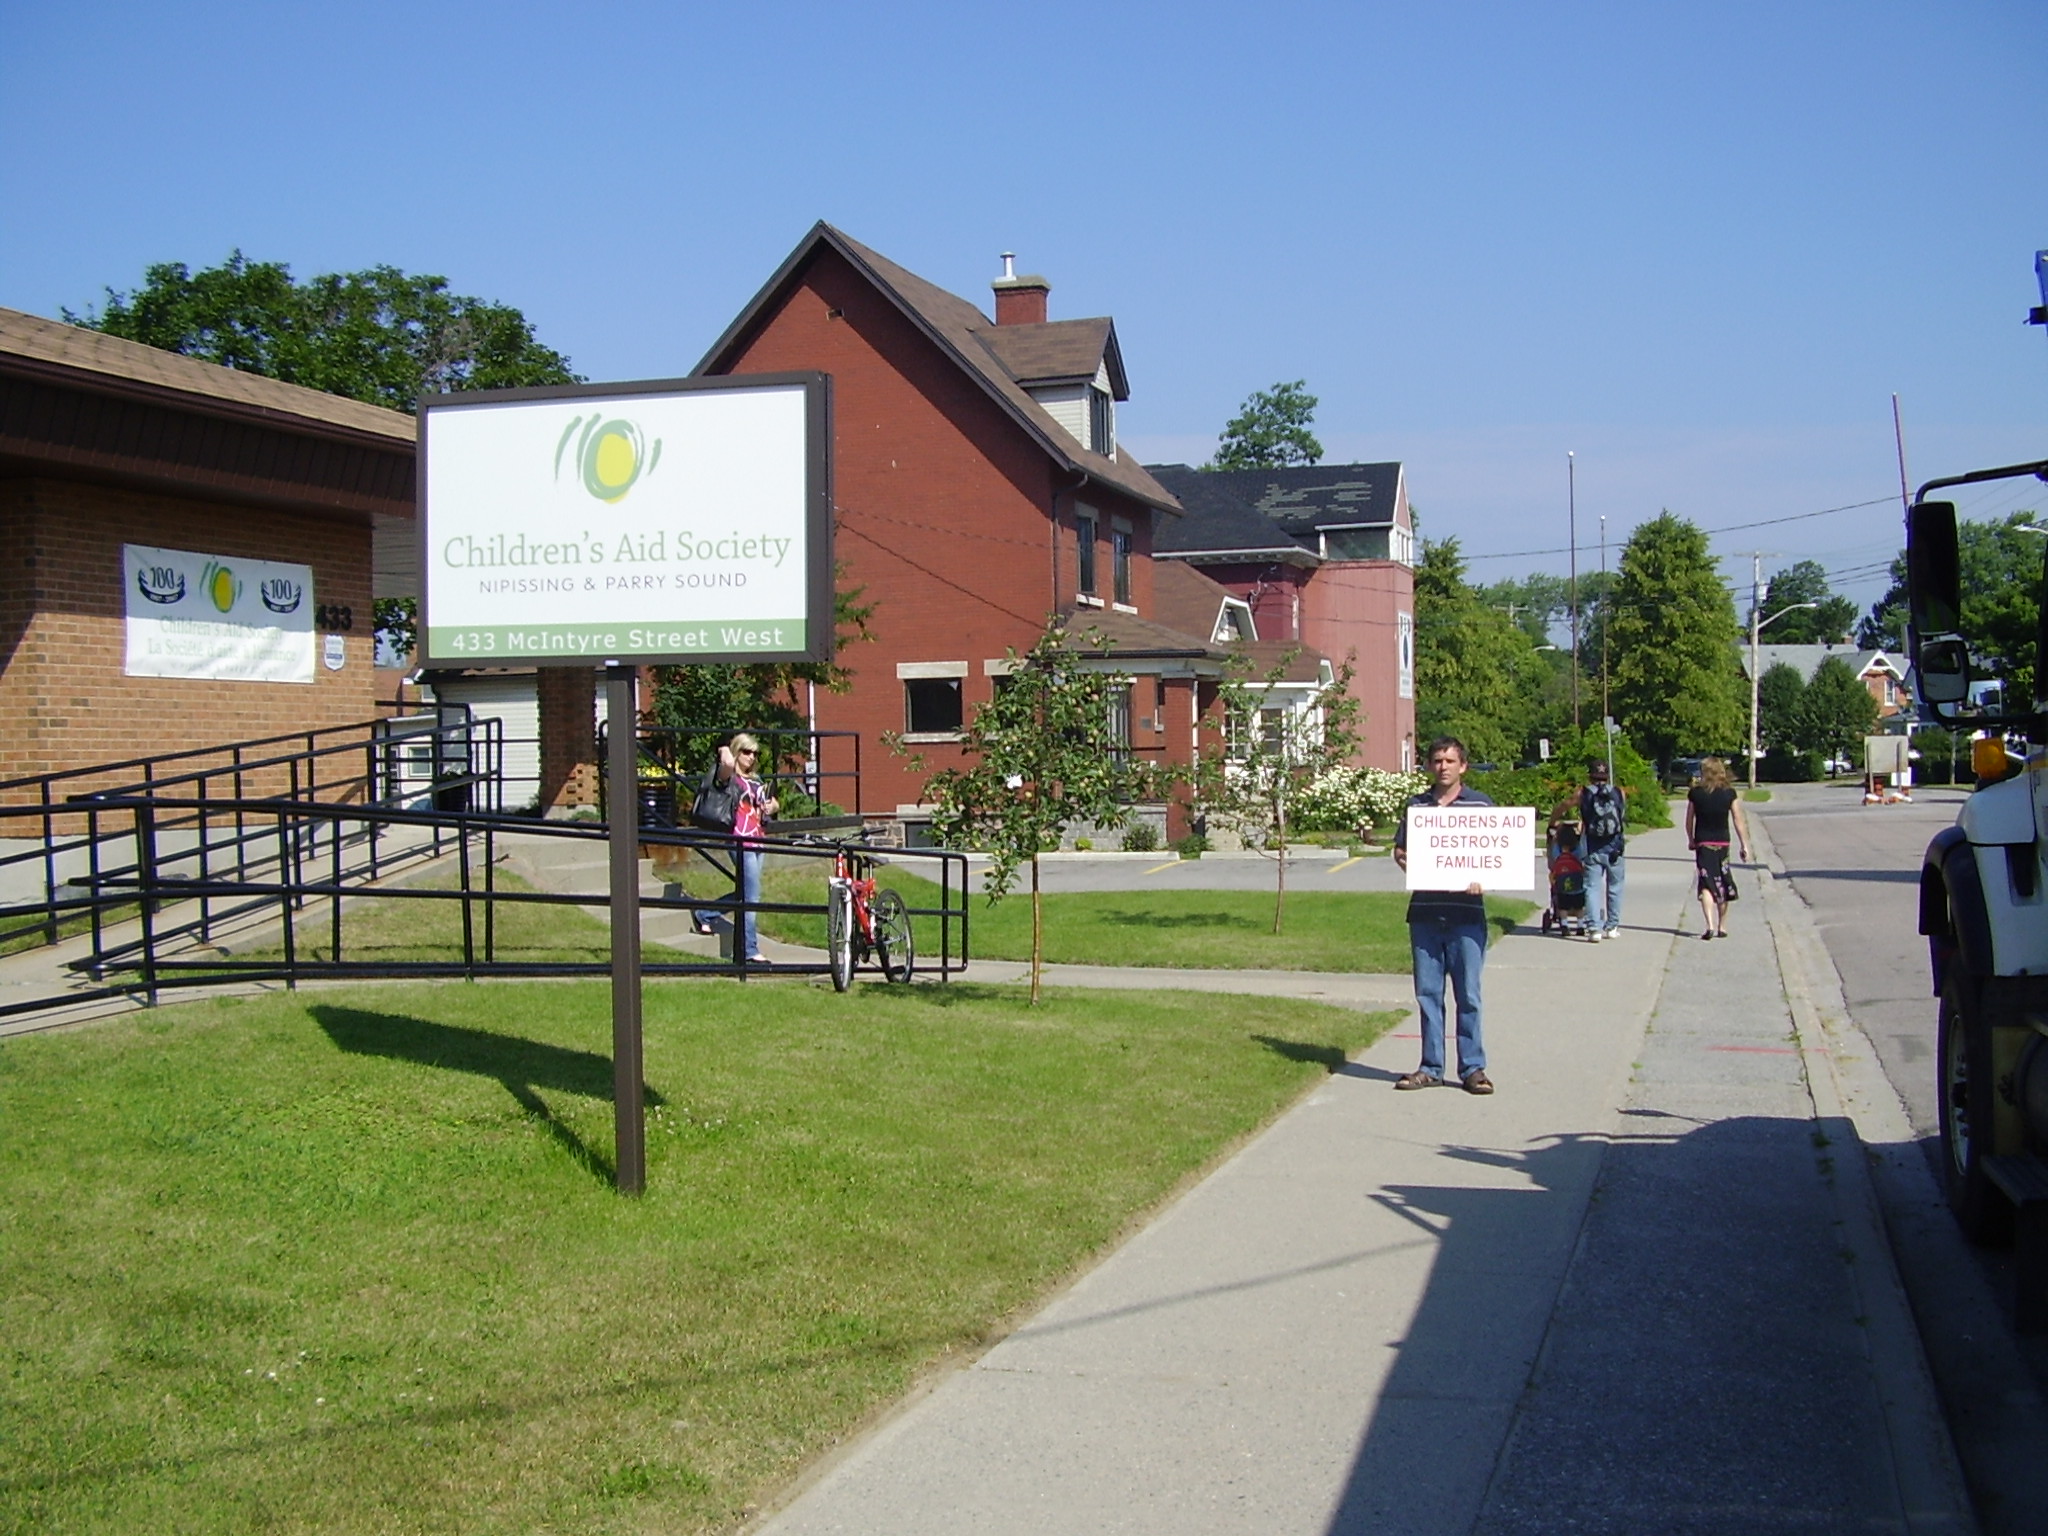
[1474,1082]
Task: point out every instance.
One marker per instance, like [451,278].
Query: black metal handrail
[300,854]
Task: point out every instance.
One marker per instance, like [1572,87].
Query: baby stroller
[1566,913]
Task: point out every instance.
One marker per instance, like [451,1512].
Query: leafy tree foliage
[1256,775]
[378,336]
[1780,698]
[1271,430]
[1836,712]
[1677,685]
[706,703]
[1807,582]
[1040,760]
[2002,591]
[1476,674]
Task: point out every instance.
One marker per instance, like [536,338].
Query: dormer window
[1102,423]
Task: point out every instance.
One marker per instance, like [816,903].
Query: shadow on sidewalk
[1701,1368]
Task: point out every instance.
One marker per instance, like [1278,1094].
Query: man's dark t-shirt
[1442,906]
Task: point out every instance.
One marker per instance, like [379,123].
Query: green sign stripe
[512,643]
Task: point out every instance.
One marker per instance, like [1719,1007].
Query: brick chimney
[1019,300]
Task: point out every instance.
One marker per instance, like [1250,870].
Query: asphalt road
[1858,868]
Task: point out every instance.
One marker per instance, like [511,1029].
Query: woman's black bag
[716,804]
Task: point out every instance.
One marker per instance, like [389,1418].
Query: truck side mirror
[1941,670]
[1934,572]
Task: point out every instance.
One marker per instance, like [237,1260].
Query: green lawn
[1219,930]
[349,1260]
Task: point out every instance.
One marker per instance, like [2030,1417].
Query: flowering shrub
[1346,798]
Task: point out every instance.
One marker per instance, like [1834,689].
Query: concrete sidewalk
[1634,1291]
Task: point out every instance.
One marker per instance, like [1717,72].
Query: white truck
[1984,911]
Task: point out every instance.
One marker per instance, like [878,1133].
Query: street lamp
[1755,628]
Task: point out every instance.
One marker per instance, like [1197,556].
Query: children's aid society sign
[686,520]
[1451,847]
[221,619]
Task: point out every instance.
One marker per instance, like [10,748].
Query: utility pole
[1756,613]
[1606,711]
[1571,481]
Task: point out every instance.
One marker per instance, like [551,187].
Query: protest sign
[1451,847]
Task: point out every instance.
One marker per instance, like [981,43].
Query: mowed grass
[351,1260]
[1217,930]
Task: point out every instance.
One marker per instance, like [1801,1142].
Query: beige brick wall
[65,700]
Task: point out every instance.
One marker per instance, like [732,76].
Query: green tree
[1832,618]
[1270,431]
[1677,685]
[378,336]
[2002,589]
[1254,775]
[1477,676]
[1780,698]
[1040,760]
[1836,712]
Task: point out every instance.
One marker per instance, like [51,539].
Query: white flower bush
[1345,798]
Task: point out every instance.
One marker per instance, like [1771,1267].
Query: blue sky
[1697,246]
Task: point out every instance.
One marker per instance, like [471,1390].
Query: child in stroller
[1566,913]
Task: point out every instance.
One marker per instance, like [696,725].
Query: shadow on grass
[1128,919]
[519,1066]
[1328,1057]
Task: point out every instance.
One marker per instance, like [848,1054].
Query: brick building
[105,443]
[1321,555]
[979,489]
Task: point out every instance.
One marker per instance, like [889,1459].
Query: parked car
[1680,772]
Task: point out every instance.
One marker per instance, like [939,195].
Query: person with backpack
[734,797]
[1603,812]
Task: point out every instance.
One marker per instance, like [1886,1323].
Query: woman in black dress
[1710,806]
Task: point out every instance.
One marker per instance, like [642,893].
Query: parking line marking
[1346,863]
[1169,864]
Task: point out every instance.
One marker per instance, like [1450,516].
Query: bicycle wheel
[839,933]
[892,936]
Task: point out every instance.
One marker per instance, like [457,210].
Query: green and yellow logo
[220,585]
[610,455]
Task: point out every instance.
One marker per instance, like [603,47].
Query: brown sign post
[665,522]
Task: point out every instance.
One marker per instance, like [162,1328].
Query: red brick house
[1321,555]
[980,488]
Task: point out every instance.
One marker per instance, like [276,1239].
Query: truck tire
[1968,1107]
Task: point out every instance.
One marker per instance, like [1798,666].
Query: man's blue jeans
[1453,950]
[1604,874]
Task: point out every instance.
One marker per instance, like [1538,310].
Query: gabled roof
[1305,497]
[52,348]
[1186,600]
[1128,637]
[956,327]
[1806,659]
[1059,352]
[1218,521]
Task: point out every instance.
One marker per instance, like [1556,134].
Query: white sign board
[1451,847]
[688,520]
[212,617]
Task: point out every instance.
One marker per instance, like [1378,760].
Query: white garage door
[513,699]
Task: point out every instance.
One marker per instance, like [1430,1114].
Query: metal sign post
[622,795]
[678,521]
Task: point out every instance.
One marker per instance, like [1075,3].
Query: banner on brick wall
[216,618]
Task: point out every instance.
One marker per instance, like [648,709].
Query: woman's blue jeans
[1452,950]
[750,893]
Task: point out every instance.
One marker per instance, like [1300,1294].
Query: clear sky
[1697,246]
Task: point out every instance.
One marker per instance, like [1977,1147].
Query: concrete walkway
[1640,1289]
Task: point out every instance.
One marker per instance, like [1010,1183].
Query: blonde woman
[1710,807]
[740,762]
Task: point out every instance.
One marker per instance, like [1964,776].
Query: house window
[1084,550]
[1120,562]
[1120,719]
[1404,631]
[1101,423]
[931,706]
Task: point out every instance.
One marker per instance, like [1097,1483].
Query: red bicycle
[863,922]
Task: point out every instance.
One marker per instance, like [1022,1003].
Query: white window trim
[1001,666]
[931,738]
[906,670]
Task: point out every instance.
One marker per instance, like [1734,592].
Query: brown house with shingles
[105,442]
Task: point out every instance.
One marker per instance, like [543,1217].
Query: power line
[1796,517]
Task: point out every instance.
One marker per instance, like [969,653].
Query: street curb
[1850,1093]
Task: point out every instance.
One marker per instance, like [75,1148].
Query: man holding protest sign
[1463,844]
